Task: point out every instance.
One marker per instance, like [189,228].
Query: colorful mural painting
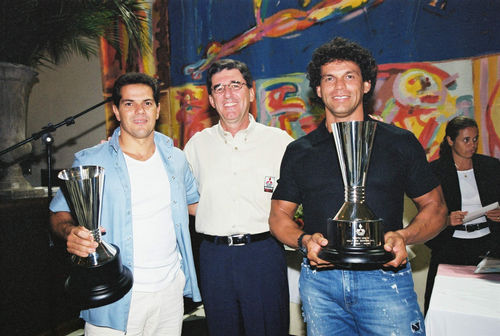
[422,97]
[486,83]
[190,112]
[284,22]
[424,79]
[284,102]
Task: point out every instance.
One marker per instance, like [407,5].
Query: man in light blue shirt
[148,189]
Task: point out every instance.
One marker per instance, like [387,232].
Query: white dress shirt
[236,177]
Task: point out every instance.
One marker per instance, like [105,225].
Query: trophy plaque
[355,235]
[100,278]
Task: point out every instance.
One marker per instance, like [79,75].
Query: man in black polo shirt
[355,302]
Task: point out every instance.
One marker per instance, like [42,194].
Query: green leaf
[45,32]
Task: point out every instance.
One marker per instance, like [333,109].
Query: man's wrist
[300,244]
[66,228]
[403,235]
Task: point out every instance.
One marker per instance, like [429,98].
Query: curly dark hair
[228,64]
[453,128]
[135,78]
[341,49]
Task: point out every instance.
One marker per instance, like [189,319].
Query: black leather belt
[471,227]
[237,239]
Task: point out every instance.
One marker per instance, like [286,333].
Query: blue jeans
[345,302]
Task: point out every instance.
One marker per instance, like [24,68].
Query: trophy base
[356,258]
[97,286]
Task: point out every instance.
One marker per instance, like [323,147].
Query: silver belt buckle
[230,240]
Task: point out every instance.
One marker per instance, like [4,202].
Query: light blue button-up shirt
[116,215]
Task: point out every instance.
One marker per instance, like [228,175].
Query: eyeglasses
[219,89]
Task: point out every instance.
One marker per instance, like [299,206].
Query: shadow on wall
[37,161]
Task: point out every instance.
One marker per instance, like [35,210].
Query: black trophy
[100,278]
[355,235]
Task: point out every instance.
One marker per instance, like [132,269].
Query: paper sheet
[488,265]
[480,212]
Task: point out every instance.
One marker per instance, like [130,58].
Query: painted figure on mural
[284,103]
[282,23]
[420,97]
[193,115]
[348,301]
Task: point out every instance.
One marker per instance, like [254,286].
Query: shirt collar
[245,132]
[115,144]
[321,133]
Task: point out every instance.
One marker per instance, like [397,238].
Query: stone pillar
[16,82]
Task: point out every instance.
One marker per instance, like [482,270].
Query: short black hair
[135,78]
[341,49]
[228,64]
[453,128]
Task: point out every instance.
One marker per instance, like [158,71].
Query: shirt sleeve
[421,179]
[287,188]
[192,195]
[188,150]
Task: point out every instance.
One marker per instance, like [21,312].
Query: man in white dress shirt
[236,163]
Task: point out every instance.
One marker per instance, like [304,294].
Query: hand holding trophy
[100,278]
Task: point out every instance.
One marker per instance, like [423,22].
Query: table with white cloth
[464,303]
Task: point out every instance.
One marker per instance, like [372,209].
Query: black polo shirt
[310,174]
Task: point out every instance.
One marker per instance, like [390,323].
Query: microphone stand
[51,128]
[48,140]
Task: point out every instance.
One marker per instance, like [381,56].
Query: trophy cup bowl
[355,235]
[100,278]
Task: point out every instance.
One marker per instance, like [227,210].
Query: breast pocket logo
[269,183]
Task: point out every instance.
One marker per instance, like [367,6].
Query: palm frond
[42,32]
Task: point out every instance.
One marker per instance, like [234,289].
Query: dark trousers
[456,252]
[245,288]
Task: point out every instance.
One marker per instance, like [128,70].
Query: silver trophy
[100,278]
[355,235]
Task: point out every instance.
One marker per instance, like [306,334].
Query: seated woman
[469,181]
